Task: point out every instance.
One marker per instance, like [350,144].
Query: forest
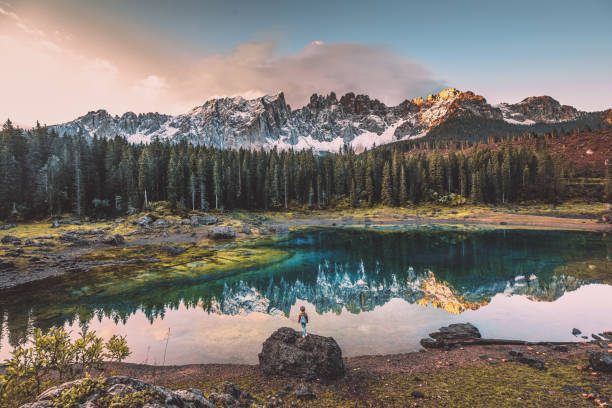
[44,174]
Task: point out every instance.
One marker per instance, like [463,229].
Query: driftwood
[466,334]
[493,342]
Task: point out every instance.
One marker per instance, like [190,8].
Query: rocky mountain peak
[326,123]
[540,109]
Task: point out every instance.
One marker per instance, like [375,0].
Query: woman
[303,320]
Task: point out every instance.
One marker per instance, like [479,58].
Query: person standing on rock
[303,320]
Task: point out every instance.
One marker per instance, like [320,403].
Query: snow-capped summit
[536,109]
[326,123]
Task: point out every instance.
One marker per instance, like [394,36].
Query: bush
[54,358]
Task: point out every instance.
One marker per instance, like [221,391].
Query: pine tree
[608,182]
[173,180]
[403,187]
[476,188]
[369,184]
[202,170]
[286,181]
[217,179]
[387,186]
[78,182]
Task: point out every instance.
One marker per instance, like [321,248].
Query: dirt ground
[473,376]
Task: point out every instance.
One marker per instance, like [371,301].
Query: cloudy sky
[62,58]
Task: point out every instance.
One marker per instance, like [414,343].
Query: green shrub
[54,358]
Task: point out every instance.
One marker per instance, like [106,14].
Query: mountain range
[327,123]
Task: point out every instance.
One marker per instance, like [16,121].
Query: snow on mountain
[538,109]
[324,124]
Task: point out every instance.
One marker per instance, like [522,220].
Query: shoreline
[39,264]
[457,377]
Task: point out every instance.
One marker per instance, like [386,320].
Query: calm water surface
[375,292]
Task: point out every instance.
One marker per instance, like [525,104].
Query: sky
[62,58]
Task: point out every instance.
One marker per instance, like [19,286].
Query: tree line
[44,174]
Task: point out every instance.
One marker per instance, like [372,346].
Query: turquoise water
[376,292]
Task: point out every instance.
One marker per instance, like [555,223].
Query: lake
[374,291]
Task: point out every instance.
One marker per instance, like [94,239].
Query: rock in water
[601,362]
[452,333]
[286,353]
[221,233]
[576,332]
[172,250]
[10,239]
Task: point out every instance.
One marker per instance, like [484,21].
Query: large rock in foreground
[286,353]
[160,397]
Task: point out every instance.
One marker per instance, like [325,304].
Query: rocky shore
[33,252]
[296,371]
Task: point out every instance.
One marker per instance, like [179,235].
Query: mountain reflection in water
[334,271]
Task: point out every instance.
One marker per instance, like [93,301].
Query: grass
[505,384]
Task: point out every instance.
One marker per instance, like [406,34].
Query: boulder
[576,332]
[601,362]
[10,239]
[115,239]
[245,229]
[221,233]
[286,353]
[122,386]
[4,227]
[172,250]
[145,220]
[197,220]
[68,221]
[74,239]
[451,334]
[160,223]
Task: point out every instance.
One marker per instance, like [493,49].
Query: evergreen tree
[403,187]
[387,186]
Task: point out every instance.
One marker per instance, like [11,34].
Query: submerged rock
[221,233]
[278,229]
[172,250]
[4,227]
[10,239]
[286,353]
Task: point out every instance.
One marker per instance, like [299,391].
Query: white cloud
[54,78]
[319,67]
